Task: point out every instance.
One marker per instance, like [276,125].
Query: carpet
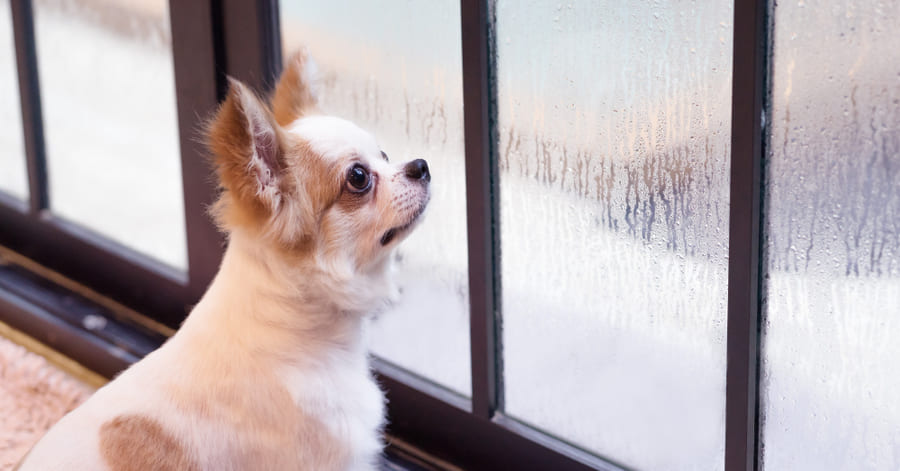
[34,394]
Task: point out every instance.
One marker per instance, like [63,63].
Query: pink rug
[34,394]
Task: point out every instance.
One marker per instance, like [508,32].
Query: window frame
[213,39]
[751,44]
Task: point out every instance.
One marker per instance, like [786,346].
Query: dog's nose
[418,170]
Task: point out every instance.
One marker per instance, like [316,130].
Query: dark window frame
[215,38]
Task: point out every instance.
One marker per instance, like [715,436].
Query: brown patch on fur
[135,442]
[293,97]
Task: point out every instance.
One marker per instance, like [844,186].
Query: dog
[269,370]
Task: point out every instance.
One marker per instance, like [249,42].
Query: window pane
[13,176]
[395,69]
[831,373]
[615,156]
[110,128]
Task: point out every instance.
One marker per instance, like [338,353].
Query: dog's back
[246,418]
[74,443]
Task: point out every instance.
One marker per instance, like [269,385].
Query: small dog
[269,371]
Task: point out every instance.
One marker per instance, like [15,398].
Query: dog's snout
[418,170]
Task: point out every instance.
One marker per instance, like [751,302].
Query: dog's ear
[248,148]
[295,94]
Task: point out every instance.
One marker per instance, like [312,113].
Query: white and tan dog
[269,371]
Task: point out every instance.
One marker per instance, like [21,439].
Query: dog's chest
[344,398]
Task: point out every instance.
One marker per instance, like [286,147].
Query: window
[614,152]
[832,311]
[112,98]
[13,180]
[110,125]
[654,226]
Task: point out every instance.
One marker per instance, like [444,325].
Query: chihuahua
[269,370]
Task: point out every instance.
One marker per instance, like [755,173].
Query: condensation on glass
[395,69]
[614,156]
[831,354]
[13,176]
[110,124]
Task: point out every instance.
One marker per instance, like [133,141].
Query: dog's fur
[269,371]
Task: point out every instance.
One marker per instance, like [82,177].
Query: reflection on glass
[831,373]
[614,156]
[110,126]
[13,178]
[394,68]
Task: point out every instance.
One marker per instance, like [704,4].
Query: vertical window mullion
[195,60]
[30,99]
[481,204]
[747,147]
[251,37]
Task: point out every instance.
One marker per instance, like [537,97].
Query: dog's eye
[358,178]
[384,156]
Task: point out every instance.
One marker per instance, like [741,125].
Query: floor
[37,387]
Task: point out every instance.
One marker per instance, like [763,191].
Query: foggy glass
[614,156]
[830,351]
[13,176]
[110,124]
[395,69]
